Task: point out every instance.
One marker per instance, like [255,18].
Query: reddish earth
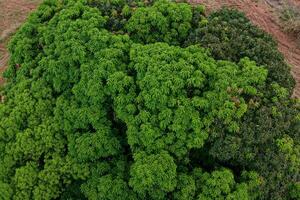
[261,13]
[3,61]
[12,14]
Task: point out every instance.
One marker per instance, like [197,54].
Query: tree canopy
[117,99]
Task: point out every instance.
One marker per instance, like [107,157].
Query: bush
[231,36]
[93,112]
[290,16]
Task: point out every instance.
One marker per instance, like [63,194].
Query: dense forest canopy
[131,99]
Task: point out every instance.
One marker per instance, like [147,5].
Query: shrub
[290,16]
[231,36]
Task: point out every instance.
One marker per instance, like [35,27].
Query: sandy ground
[261,12]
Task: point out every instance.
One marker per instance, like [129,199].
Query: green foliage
[295,191]
[261,129]
[108,180]
[5,191]
[182,91]
[290,16]
[153,174]
[231,36]
[221,185]
[186,187]
[117,12]
[162,22]
[100,105]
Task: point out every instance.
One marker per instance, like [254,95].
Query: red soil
[3,61]
[12,14]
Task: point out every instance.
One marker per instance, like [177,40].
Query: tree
[97,108]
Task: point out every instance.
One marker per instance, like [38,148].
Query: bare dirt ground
[12,14]
[3,61]
[263,13]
